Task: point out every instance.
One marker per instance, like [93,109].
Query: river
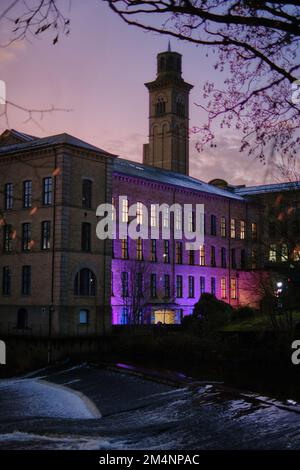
[88,407]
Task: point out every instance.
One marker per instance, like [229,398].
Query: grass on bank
[257,323]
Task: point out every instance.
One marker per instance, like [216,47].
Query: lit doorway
[166,317]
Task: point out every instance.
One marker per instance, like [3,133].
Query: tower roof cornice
[167,81]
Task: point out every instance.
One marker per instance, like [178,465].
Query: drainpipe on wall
[51,308]
[229,251]
[173,257]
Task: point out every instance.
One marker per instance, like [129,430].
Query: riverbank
[258,361]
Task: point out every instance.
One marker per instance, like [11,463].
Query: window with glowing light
[124,210]
[242,230]
[272,253]
[223,288]
[233,288]
[223,226]
[153,215]
[139,213]
[202,255]
[139,249]
[254,231]
[232,228]
[124,243]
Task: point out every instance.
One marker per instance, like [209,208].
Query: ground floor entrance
[165,316]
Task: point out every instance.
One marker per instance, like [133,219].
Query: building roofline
[159,175]
[268,188]
[50,141]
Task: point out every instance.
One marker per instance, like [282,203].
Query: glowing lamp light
[279,284]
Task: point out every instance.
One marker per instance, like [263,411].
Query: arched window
[160,107]
[85,282]
[180,111]
[170,63]
[162,64]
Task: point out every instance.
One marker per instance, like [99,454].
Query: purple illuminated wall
[147,191]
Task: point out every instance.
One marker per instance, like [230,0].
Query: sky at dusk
[98,73]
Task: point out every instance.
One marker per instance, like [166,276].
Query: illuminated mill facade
[58,277]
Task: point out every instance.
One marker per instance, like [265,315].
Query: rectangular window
[179,286]
[47,191]
[233,258]
[113,209]
[213,285]
[7,238]
[191,287]
[124,316]
[213,256]
[179,252]
[26,280]
[242,230]
[87,194]
[243,259]
[139,249]
[202,255]
[45,235]
[190,221]
[223,226]
[139,213]
[272,253]
[202,284]
[233,288]
[124,248]
[284,253]
[124,283]
[139,284]
[191,257]
[223,257]
[178,219]
[85,236]
[213,225]
[124,210]
[254,259]
[166,251]
[83,317]
[254,231]
[232,228]
[153,251]
[223,288]
[8,196]
[27,193]
[166,217]
[167,285]
[26,236]
[6,281]
[153,286]
[153,215]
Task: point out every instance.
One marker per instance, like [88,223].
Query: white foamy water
[28,398]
